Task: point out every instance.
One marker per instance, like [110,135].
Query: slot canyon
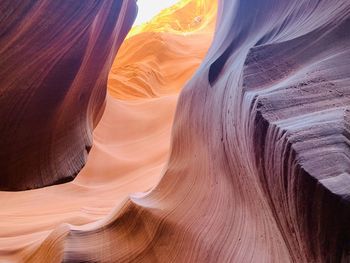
[216,131]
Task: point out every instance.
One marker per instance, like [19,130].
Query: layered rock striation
[258,165]
[160,56]
[55,59]
[130,143]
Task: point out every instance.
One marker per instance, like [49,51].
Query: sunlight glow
[149,8]
[181,17]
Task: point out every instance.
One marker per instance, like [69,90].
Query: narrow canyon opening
[159,55]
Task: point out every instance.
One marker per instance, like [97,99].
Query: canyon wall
[160,56]
[55,59]
[130,143]
[258,168]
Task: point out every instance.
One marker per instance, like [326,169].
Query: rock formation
[55,59]
[178,35]
[258,168]
[130,144]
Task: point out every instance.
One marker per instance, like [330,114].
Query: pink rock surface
[258,169]
[55,59]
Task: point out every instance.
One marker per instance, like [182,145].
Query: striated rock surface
[130,149]
[258,168]
[173,44]
[258,165]
[55,59]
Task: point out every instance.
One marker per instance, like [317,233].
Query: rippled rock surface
[258,168]
[55,59]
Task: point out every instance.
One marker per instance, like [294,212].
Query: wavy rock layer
[130,149]
[258,166]
[258,170]
[174,43]
[55,59]
[129,152]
